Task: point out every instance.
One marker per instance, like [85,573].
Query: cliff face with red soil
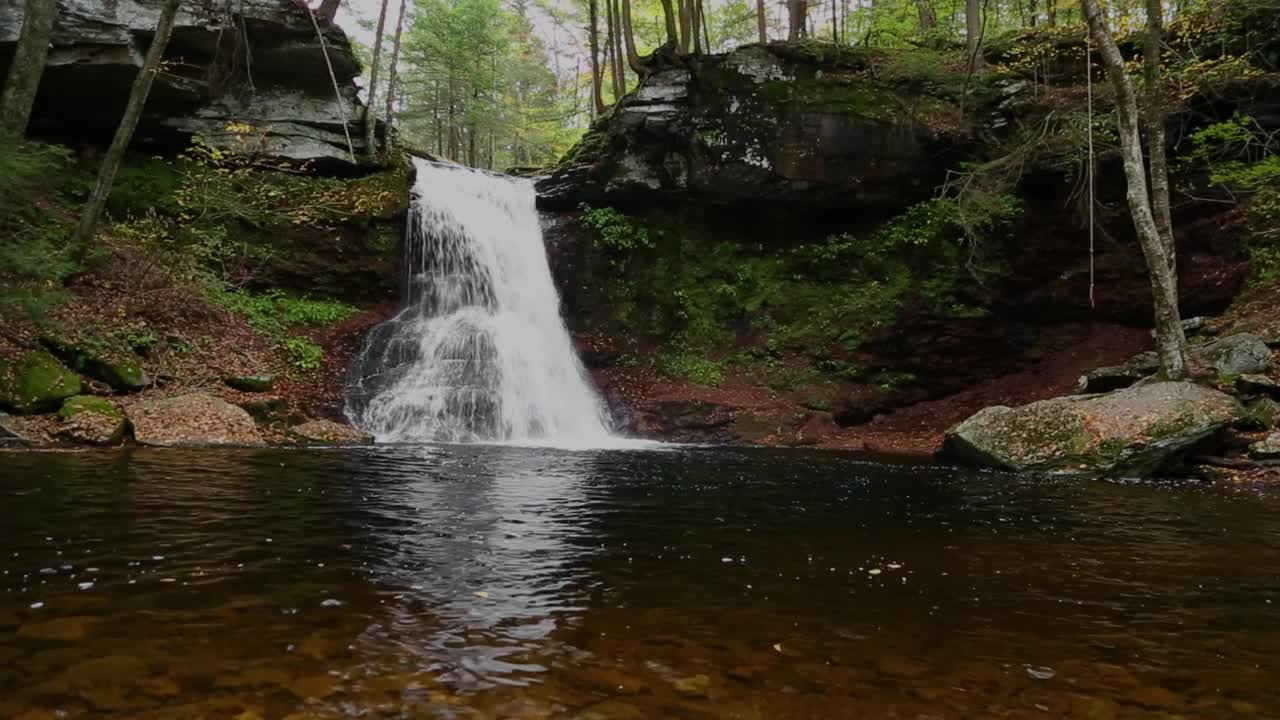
[730,281]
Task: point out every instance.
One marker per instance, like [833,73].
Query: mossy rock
[35,383]
[1135,432]
[267,409]
[120,368]
[1261,414]
[251,383]
[88,403]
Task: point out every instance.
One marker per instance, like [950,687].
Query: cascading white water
[479,352]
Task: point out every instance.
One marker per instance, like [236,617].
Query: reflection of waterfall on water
[479,352]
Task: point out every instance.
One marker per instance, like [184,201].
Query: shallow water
[513,582]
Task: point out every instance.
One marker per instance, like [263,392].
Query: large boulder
[35,382]
[242,74]
[118,367]
[1134,432]
[192,420]
[763,123]
[1241,354]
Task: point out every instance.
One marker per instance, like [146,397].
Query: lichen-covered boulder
[196,419]
[118,367]
[1134,432]
[328,432]
[35,382]
[91,420]
[251,383]
[1241,354]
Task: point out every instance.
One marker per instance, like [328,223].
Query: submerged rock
[192,420]
[35,382]
[117,367]
[328,432]
[1133,432]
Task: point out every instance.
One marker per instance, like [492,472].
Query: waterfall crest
[479,352]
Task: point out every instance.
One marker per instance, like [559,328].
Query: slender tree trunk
[1033,12]
[928,15]
[27,66]
[685,25]
[762,27]
[835,22]
[796,12]
[611,41]
[1171,342]
[328,10]
[1051,13]
[391,72]
[619,55]
[337,94]
[669,19]
[370,117]
[702,20]
[124,132]
[695,23]
[1156,118]
[973,31]
[628,34]
[593,37]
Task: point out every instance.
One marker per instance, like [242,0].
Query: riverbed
[503,582]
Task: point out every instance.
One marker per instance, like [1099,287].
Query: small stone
[328,432]
[251,383]
[314,686]
[694,686]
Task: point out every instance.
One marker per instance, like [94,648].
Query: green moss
[88,403]
[106,358]
[36,382]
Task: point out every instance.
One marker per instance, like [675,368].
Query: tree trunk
[835,22]
[333,79]
[593,37]
[619,55]
[629,35]
[669,19]
[27,66]
[796,12]
[328,10]
[1032,11]
[370,117]
[391,72]
[611,40]
[684,12]
[1171,343]
[928,15]
[762,29]
[124,132]
[1156,118]
[1051,13]
[695,23]
[973,32]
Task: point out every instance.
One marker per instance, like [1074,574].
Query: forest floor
[193,345]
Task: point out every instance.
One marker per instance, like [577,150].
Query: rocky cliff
[248,74]
[805,126]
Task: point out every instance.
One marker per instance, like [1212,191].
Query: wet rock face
[244,73]
[753,125]
[1133,432]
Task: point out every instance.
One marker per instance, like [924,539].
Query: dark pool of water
[502,582]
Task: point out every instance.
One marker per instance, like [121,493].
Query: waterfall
[479,352]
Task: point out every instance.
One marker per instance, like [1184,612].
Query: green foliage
[1239,156]
[687,365]
[35,253]
[275,314]
[700,294]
